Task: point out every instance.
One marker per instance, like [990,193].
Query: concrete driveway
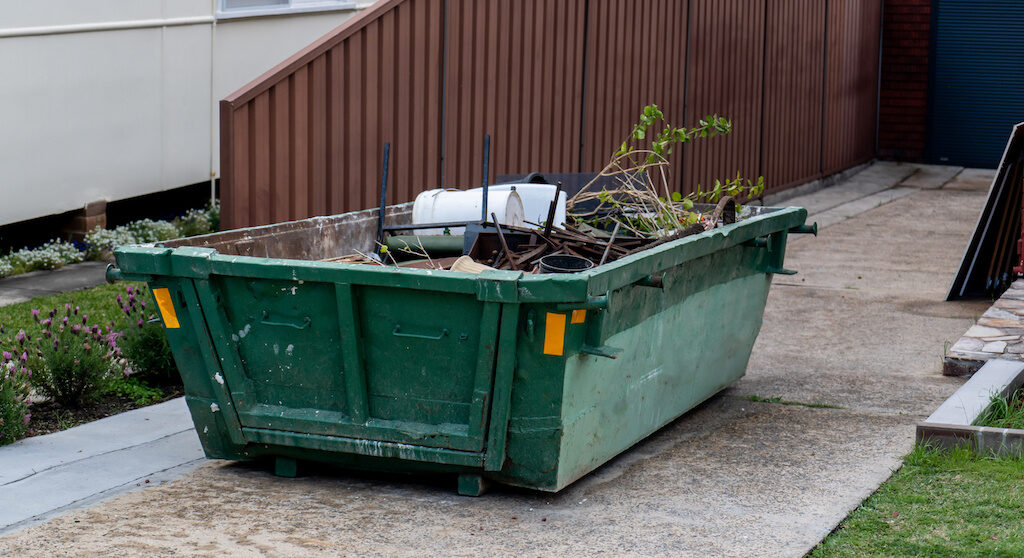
[862,327]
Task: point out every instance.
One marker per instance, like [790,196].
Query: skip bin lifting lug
[655,281]
[805,229]
[113,274]
[593,303]
[601,351]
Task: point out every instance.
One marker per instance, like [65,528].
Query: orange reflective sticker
[578,316]
[554,334]
[163,300]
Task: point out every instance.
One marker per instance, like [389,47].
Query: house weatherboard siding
[111,99]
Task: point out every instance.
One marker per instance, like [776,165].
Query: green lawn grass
[938,504]
[99,303]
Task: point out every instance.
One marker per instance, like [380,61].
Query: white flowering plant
[101,242]
[51,255]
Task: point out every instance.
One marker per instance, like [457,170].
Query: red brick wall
[903,112]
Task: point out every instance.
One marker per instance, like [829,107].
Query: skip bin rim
[137,262]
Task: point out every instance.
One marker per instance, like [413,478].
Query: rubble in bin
[515,248]
[523,247]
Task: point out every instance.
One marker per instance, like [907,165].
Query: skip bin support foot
[286,467]
[473,485]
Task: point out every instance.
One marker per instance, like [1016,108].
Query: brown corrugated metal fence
[557,85]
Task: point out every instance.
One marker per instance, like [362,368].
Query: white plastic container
[536,200]
[442,206]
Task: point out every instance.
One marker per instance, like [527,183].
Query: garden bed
[49,417]
[75,357]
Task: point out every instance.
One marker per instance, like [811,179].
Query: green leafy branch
[641,205]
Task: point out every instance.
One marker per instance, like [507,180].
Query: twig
[608,248]
[504,245]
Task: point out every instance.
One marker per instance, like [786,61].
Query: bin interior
[316,238]
[323,238]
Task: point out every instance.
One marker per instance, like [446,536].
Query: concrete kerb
[952,424]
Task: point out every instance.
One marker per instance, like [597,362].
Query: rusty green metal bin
[528,380]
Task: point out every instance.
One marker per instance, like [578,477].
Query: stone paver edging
[999,333]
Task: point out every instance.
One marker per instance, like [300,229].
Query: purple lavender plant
[72,361]
[14,402]
[145,345]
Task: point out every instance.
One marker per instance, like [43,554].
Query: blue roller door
[977,88]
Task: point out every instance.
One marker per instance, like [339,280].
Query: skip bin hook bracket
[775,244]
[592,343]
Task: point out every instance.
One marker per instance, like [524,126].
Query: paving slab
[861,327]
[928,177]
[44,475]
[872,180]
[842,212]
[972,179]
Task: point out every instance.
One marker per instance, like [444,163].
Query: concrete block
[996,377]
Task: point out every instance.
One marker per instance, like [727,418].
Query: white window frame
[291,7]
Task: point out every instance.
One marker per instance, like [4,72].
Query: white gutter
[104,26]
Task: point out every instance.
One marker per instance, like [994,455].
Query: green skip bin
[527,380]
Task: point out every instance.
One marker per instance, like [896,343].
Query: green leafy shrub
[14,388]
[135,389]
[71,360]
[145,344]
[101,241]
[642,201]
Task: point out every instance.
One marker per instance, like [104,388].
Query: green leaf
[676,196]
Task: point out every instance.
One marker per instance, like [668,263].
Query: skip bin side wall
[681,345]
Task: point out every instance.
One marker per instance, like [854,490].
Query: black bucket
[563,263]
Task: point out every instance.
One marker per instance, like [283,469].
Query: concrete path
[862,327]
[45,475]
[27,286]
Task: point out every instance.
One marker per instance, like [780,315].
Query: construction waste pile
[534,228]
